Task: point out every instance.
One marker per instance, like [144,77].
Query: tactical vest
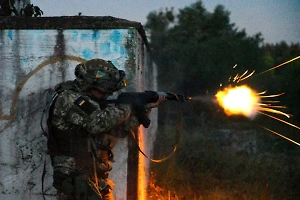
[74,142]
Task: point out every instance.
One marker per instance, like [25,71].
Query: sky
[276,20]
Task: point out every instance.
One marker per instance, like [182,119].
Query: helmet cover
[101,75]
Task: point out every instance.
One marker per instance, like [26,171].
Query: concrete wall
[33,60]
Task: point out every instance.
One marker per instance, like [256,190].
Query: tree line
[197,52]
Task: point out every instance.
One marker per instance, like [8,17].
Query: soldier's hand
[160,100]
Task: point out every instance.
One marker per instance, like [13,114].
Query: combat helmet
[101,75]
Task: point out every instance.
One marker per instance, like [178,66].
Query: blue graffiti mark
[25,60]
[105,48]
[10,34]
[88,54]
[74,35]
[115,48]
[122,50]
[116,36]
[84,36]
[96,35]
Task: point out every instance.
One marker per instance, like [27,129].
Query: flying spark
[280,65]
[243,100]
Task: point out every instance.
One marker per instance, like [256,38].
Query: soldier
[82,130]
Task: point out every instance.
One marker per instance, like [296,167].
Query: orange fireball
[239,100]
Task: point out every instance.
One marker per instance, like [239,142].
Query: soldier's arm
[78,110]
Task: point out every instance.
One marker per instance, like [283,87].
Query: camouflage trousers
[77,187]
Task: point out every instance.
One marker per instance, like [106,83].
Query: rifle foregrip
[138,100]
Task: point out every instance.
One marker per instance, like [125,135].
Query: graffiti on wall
[19,88]
[36,60]
[32,45]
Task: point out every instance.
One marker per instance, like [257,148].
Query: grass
[204,169]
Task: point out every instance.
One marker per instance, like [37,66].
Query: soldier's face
[98,94]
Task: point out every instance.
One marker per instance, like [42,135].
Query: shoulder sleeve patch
[85,105]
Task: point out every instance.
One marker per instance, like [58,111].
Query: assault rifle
[138,100]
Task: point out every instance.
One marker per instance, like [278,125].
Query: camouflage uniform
[81,142]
